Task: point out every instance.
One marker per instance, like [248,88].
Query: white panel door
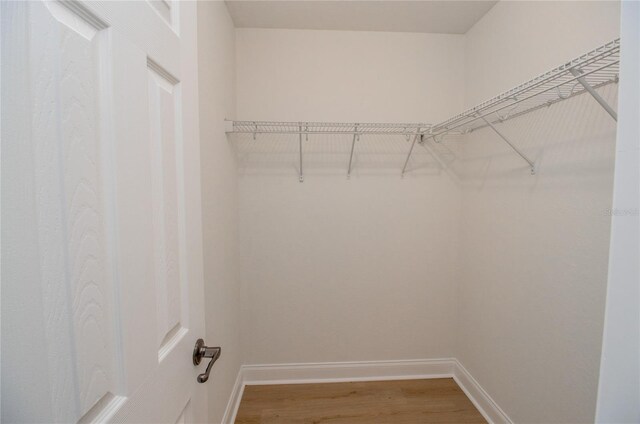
[101,225]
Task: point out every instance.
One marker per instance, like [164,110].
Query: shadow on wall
[568,141]
[329,154]
[573,139]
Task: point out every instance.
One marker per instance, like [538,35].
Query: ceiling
[448,17]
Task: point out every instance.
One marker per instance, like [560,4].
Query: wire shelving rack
[271,127]
[304,129]
[583,74]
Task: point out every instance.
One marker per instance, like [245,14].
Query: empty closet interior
[383,201]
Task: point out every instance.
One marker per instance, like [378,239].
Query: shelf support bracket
[300,175]
[413,143]
[576,73]
[356,136]
[423,143]
[515,149]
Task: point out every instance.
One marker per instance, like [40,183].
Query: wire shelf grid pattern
[268,127]
[597,68]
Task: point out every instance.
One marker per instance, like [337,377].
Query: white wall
[619,385]
[335,269]
[216,61]
[344,76]
[518,40]
[534,249]
[376,267]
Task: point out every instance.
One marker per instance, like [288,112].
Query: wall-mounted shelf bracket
[301,174]
[583,82]
[356,136]
[436,156]
[515,149]
[413,143]
[425,137]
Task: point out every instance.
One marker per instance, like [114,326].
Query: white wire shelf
[596,68]
[584,74]
[415,130]
[272,127]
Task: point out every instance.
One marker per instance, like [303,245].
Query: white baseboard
[331,372]
[479,397]
[234,400]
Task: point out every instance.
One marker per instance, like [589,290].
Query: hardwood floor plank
[401,401]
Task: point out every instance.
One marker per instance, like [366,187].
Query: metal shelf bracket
[413,143]
[577,73]
[532,165]
[425,145]
[356,136]
[301,174]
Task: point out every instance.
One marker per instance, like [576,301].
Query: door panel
[77,282]
[164,107]
[101,212]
